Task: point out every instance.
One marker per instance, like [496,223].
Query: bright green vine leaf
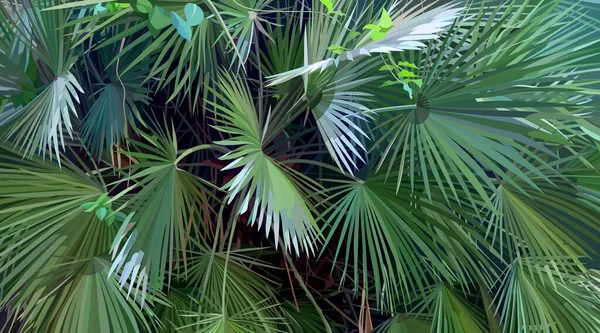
[405,73]
[103,210]
[386,21]
[114,6]
[378,31]
[406,64]
[328,4]
[337,49]
[377,35]
[373,27]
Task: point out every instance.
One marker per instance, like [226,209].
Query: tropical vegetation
[299,166]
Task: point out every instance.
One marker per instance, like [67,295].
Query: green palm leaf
[168,201]
[277,191]
[547,300]
[42,123]
[403,241]
[479,110]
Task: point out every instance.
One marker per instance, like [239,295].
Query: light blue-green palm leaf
[412,23]
[243,19]
[41,123]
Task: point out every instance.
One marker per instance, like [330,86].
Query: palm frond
[271,192]
[42,123]
[486,89]
[548,300]
[168,206]
[411,25]
[401,243]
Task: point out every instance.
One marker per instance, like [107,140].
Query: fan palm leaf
[547,300]
[42,123]
[167,202]
[278,192]
[485,92]
[401,243]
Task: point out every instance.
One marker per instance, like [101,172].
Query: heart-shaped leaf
[386,21]
[387,68]
[337,49]
[405,73]
[193,14]
[389,83]
[182,27]
[102,199]
[111,218]
[328,4]
[101,213]
[418,82]
[143,6]
[377,35]
[406,64]
[372,27]
[89,206]
[158,19]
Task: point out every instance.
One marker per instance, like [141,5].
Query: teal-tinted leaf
[111,218]
[183,28]
[158,19]
[99,8]
[193,14]
[101,213]
[408,90]
[143,6]
[89,206]
[102,199]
